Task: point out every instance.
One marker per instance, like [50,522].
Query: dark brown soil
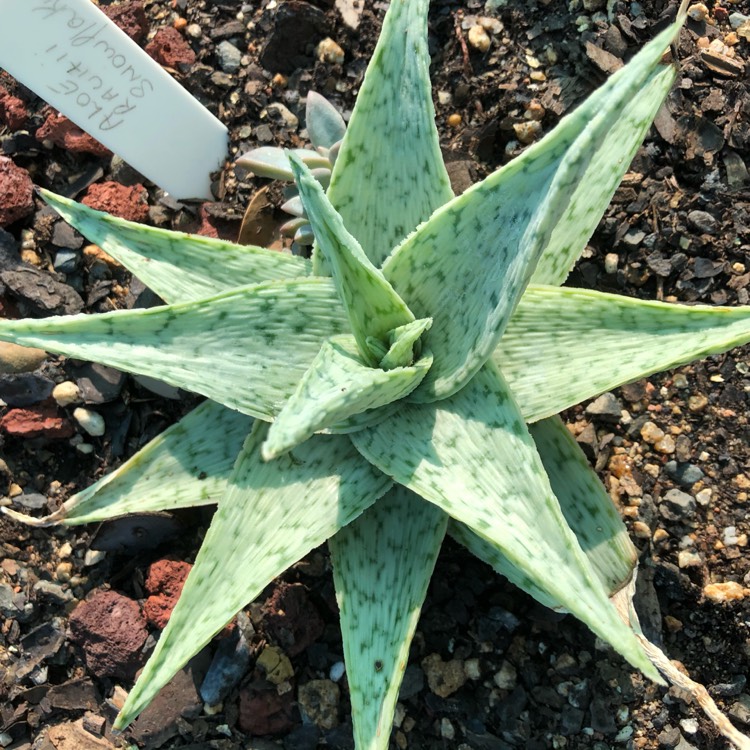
[678,229]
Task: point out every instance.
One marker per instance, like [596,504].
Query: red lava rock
[291,618]
[130,17]
[264,712]
[16,192]
[126,202]
[169,48]
[40,421]
[111,630]
[164,583]
[13,111]
[66,134]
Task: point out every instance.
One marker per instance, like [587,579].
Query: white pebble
[66,393]
[610,262]
[330,52]
[90,421]
[337,671]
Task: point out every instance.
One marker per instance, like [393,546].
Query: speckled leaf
[472,456]
[178,267]
[588,510]
[273,162]
[246,349]
[271,515]
[566,345]
[185,466]
[389,175]
[468,265]
[337,386]
[603,174]
[382,564]
[373,307]
[403,343]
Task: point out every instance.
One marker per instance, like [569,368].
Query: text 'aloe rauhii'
[401,384]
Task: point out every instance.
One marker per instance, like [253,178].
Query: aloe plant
[377,396]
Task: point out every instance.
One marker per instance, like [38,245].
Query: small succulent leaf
[394,116]
[382,564]
[294,206]
[472,455]
[178,267]
[468,265]
[402,342]
[291,227]
[597,186]
[273,162]
[185,466]
[322,177]
[587,508]
[373,307]
[246,348]
[324,124]
[271,515]
[566,345]
[338,385]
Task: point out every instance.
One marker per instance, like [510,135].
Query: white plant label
[72,56]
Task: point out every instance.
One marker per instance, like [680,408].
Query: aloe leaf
[566,345]
[373,307]
[473,457]
[271,515]
[178,267]
[273,162]
[403,341]
[324,124]
[593,194]
[246,348]
[393,115]
[588,510]
[382,564]
[337,386]
[468,265]
[185,466]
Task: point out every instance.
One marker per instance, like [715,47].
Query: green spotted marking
[373,306]
[386,556]
[179,267]
[566,345]
[246,349]
[271,515]
[473,457]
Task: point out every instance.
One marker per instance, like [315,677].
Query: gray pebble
[686,475]
[606,406]
[66,260]
[702,221]
[676,505]
[24,388]
[53,591]
[229,57]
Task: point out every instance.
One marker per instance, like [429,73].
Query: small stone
[527,131]
[129,203]
[697,12]
[685,474]
[16,192]
[702,221]
[111,631]
[443,677]
[676,505]
[337,671]
[64,133]
[38,421]
[279,113]
[665,445]
[66,393]
[164,583]
[454,120]
[170,49]
[610,263]
[607,406]
[479,39]
[689,559]
[90,421]
[319,702]
[229,664]
[447,730]
[130,17]
[54,592]
[266,712]
[641,530]
[194,31]
[276,665]
[15,358]
[697,403]
[651,433]
[740,710]
[721,593]
[291,618]
[229,57]
[13,111]
[329,51]
[506,678]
